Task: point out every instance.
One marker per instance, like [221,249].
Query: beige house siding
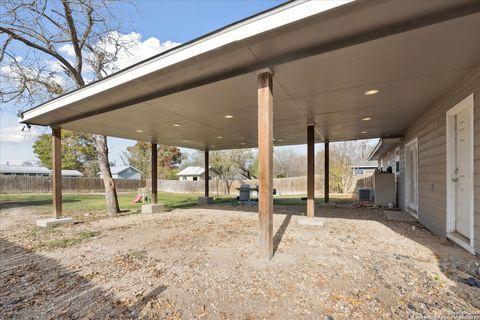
[430,129]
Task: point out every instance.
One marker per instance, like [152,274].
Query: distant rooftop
[24,169]
[191,171]
[118,169]
[366,164]
[72,173]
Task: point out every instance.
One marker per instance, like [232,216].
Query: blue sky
[176,21]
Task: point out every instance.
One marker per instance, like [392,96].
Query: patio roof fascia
[257,24]
[383,146]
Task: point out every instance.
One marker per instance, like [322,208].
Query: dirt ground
[202,263]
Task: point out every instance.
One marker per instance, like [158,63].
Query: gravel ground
[202,263]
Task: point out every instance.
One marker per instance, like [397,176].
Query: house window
[397,160]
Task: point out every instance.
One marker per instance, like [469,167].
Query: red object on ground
[137,199]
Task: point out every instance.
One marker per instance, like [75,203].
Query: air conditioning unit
[366,194]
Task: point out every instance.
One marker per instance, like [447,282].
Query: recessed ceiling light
[139,131]
[243,143]
[212,146]
[364,132]
[371,92]
[186,141]
[366,119]
[219,137]
[229,116]
[176,125]
[280,140]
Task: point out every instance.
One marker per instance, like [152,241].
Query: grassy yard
[82,203]
[91,202]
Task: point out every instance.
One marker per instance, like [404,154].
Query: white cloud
[133,50]
[16,135]
[67,49]
[137,50]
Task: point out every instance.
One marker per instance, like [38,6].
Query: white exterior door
[411,177]
[463,173]
[460,169]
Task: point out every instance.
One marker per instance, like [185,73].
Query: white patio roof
[324,56]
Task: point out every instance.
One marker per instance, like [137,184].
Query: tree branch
[52,53]
[74,39]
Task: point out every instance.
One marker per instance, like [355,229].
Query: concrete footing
[52,222]
[205,200]
[153,208]
[318,222]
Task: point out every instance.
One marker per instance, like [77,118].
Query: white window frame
[465,104]
[413,211]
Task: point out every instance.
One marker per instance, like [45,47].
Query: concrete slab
[205,200]
[52,222]
[398,215]
[153,208]
[318,222]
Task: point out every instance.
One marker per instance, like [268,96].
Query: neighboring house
[71,173]
[364,167]
[21,170]
[124,172]
[194,174]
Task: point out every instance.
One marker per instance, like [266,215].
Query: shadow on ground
[34,286]
[454,262]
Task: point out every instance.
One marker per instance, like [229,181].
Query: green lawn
[91,202]
[95,203]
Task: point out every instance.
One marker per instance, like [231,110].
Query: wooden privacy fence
[365,181]
[32,184]
[284,186]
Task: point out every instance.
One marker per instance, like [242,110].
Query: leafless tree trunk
[110,191]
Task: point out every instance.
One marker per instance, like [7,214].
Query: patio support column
[327,173]
[58,218]
[310,170]
[207,175]
[265,162]
[206,199]
[57,171]
[154,174]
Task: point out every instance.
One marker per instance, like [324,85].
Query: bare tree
[246,162]
[288,163]
[224,166]
[343,156]
[49,47]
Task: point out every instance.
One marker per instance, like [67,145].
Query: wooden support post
[265,162]
[310,171]
[57,171]
[207,175]
[327,172]
[154,173]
